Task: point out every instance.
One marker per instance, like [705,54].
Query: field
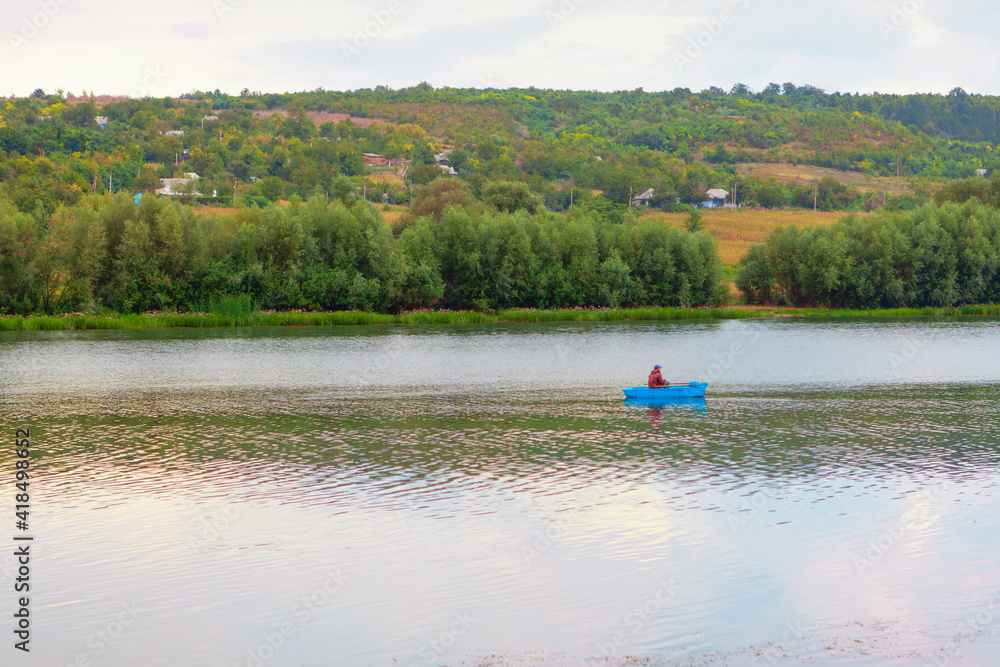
[737,230]
[804,174]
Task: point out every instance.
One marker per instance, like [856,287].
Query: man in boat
[656,380]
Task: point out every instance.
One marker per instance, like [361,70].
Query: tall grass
[240,314]
[239,308]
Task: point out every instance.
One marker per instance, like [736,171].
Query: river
[481,495]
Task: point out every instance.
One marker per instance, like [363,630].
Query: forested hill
[582,146]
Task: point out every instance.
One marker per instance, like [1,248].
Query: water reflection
[544,516]
[668,404]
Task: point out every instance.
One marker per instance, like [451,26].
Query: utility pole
[630,196]
[234,191]
[735,183]
[815,195]
[111,185]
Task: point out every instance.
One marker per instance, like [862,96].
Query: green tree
[695,222]
[511,196]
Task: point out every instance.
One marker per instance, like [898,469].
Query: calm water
[483,496]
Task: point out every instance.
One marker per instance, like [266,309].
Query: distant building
[102,121]
[443,156]
[376,160]
[173,187]
[173,133]
[448,170]
[983,172]
[717,198]
[644,198]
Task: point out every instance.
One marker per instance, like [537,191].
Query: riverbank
[353,318]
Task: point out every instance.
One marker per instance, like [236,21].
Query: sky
[125,47]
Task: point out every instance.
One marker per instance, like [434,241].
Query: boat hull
[693,390]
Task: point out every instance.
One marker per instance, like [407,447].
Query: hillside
[784,147]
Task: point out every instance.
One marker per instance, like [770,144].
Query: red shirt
[656,379]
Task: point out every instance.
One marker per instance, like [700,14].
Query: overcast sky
[168,48]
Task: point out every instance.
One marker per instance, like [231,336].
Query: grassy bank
[271,319]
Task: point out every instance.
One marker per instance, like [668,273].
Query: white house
[717,198]
[643,199]
[173,187]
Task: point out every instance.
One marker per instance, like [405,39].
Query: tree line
[946,255]
[107,254]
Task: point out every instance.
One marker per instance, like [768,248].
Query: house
[173,187]
[643,199]
[102,121]
[983,172]
[443,156]
[448,170]
[376,160]
[173,133]
[717,198]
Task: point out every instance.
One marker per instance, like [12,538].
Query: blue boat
[690,390]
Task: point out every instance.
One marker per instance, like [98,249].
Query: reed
[231,314]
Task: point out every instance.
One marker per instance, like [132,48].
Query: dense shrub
[928,257]
[107,252]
